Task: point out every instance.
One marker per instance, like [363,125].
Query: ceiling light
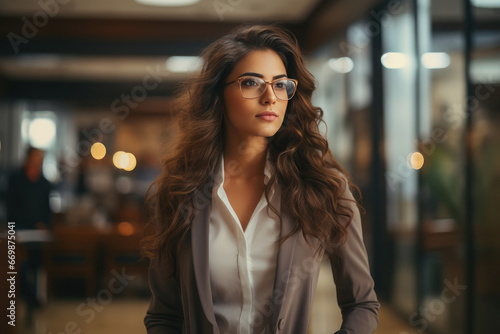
[168,3]
[486,3]
[39,60]
[434,60]
[42,132]
[394,60]
[341,65]
[182,64]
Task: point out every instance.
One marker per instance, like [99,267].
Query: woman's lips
[267,116]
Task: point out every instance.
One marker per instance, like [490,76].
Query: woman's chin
[269,131]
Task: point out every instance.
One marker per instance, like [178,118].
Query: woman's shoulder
[339,176]
[344,182]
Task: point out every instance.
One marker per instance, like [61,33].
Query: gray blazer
[183,303]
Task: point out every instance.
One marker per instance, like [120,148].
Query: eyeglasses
[253,87]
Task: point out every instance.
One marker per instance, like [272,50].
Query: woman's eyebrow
[258,75]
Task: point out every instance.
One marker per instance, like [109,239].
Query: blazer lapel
[284,265]
[199,242]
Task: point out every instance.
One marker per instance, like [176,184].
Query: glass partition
[484,109]
[399,79]
[442,177]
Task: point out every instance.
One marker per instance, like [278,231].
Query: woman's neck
[245,158]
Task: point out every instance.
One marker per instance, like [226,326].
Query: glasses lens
[252,87]
[284,89]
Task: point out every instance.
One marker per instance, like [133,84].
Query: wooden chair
[123,254]
[73,254]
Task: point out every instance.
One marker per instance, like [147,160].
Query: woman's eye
[249,83]
[280,85]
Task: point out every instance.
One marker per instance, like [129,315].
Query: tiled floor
[118,317]
[124,315]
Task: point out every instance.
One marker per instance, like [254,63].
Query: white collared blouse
[242,263]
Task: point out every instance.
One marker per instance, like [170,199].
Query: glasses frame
[240,79]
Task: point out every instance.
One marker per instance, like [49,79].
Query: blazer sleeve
[355,287]
[164,315]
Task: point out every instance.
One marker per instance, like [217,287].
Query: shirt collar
[219,171]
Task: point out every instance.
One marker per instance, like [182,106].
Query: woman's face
[261,116]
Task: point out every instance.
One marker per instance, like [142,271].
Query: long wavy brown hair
[312,183]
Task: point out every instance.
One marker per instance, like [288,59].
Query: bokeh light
[124,160]
[42,132]
[117,157]
[98,151]
[417,160]
[131,162]
[125,228]
[394,60]
[341,65]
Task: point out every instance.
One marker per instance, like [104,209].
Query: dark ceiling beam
[124,29]
[101,47]
[482,25]
[331,17]
[114,37]
[82,92]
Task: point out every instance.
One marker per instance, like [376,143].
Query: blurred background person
[28,206]
[28,194]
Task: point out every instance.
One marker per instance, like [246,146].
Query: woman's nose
[268,96]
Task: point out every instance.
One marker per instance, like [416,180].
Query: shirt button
[281,324]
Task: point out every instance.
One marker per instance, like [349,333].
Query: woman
[251,200]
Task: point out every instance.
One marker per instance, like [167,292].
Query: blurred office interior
[410,91]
